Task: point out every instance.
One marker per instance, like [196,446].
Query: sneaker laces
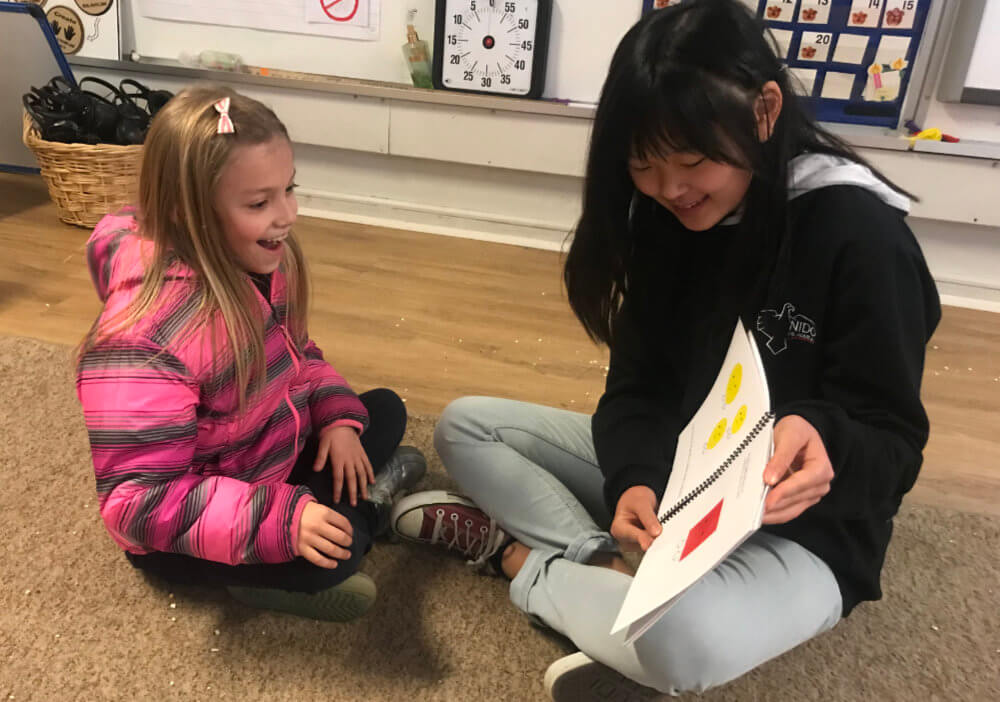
[479,544]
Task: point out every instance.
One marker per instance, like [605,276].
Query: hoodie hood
[810,172]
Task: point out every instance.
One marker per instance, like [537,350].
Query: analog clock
[492,46]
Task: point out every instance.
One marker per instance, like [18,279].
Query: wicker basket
[85,181]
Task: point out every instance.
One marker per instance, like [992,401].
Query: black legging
[387,422]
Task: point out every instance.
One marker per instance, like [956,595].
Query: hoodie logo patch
[781,327]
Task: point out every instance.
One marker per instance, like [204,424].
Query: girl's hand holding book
[342,446]
[635,524]
[800,470]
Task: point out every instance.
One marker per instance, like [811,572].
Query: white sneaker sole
[579,678]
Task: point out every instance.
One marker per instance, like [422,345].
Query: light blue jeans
[534,470]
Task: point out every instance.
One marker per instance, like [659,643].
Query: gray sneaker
[340,603]
[398,476]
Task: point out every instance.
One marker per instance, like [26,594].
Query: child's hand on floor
[348,460]
[324,536]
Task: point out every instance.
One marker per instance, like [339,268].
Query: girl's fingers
[368,467]
[340,522]
[627,535]
[362,479]
[810,497]
[787,514]
[798,483]
[338,479]
[317,558]
[336,537]
[321,455]
[330,549]
[351,477]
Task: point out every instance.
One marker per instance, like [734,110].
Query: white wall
[517,178]
[584,34]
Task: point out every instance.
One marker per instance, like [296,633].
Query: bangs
[713,119]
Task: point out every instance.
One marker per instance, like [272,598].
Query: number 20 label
[815,46]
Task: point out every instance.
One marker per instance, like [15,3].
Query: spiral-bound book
[715,495]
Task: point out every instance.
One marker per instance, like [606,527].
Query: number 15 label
[899,14]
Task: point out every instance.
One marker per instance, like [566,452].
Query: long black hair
[686,79]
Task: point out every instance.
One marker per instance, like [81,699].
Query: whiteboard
[28,44]
[583,37]
[358,19]
[970,72]
[984,66]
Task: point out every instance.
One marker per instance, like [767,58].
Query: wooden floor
[437,317]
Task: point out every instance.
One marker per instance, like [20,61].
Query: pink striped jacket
[178,468]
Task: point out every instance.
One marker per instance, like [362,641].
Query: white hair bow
[225,123]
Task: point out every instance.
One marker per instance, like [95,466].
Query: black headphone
[121,119]
[155,99]
[68,113]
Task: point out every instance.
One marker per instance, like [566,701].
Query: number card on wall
[815,46]
[850,58]
[780,10]
[814,12]
[865,13]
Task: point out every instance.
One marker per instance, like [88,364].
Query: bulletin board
[851,59]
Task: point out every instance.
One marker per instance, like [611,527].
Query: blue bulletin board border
[855,110]
[36,12]
[57,53]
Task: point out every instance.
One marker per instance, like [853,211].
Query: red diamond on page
[702,530]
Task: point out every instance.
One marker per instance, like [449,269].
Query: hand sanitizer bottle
[417,55]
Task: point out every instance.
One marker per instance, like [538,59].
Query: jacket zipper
[288,398]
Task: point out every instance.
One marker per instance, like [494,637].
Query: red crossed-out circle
[327,6]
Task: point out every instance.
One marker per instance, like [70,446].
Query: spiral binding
[717,473]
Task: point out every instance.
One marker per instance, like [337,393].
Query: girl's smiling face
[256,205]
[698,191]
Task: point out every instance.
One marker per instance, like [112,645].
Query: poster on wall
[86,28]
[345,19]
[850,59]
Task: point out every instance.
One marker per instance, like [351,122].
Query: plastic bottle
[216,60]
[417,55]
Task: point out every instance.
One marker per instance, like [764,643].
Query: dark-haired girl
[710,195]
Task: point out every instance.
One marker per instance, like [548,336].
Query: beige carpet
[76,622]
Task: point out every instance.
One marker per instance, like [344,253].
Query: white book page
[719,513]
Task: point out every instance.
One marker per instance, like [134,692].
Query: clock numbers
[490,45]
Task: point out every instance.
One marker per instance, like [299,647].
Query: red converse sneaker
[443,518]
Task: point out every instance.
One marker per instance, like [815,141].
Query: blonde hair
[183,160]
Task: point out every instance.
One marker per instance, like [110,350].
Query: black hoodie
[843,347]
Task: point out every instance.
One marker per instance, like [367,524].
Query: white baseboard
[975,297]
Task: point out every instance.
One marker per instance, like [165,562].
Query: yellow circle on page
[733,386]
[716,436]
[741,416]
